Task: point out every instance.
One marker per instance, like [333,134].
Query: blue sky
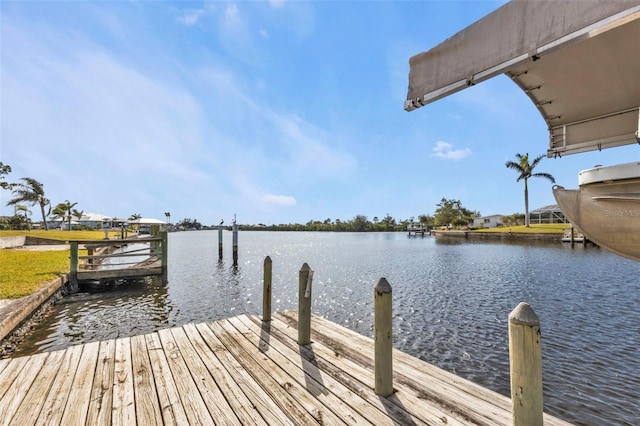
[280,112]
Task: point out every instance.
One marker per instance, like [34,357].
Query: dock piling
[383,341]
[235,243]
[73,273]
[525,361]
[305,278]
[220,242]
[165,255]
[266,292]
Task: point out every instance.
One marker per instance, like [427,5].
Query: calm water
[451,301]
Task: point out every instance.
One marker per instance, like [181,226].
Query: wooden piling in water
[165,255]
[220,242]
[266,291]
[235,244]
[305,278]
[525,361]
[383,339]
[73,263]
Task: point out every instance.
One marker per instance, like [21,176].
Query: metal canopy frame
[577,60]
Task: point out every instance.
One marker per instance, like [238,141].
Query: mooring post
[219,241]
[383,339]
[235,243]
[525,360]
[165,255]
[305,279]
[73,267]
[266,292]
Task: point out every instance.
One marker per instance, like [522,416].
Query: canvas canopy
[577,60]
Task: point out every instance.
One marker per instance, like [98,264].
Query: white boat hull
[607,212]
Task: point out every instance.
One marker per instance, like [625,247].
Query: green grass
[24,272]
[56,234]
[547,228]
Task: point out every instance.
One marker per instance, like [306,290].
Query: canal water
[451,301]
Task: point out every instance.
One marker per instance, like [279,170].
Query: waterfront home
[492,221]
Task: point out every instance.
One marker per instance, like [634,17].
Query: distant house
[90,220]
[547,214]
[492,221]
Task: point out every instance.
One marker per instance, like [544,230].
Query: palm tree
[32,192]
[525,171]
[22,208]
[135,216]
[65,211]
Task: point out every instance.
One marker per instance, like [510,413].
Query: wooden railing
[96,264]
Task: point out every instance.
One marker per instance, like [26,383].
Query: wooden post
[235,244]
[165,255]
[73,273]
[525,360]
[305,278]
[220,242]
[266,292]
[383,340]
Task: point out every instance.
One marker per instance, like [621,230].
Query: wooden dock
[238,371]
[90,267]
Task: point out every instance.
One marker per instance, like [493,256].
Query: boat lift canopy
[577,60]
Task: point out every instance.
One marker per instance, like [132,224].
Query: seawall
[500,236]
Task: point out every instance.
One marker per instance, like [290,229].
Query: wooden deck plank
[3,363]
[75,412]
[211,395]
[10,373]
[194,406]
[279,380]
[238,371]
[341,400]
[266,406]
[474,403]
[406,406]
[14,396]
[170,405]
[486,408]
[27,413]
[53,406]
[347,383]
[124,412]
[241,406]
[146,397]
[101,399]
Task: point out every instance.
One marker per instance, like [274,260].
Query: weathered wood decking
[237,371]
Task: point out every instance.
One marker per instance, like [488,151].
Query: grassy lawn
[547,228]
[56,234]
[24,272]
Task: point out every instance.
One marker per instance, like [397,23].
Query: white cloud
[445,150]
[281,200]
[192,17]
[232,17]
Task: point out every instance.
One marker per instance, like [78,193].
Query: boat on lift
[606,207]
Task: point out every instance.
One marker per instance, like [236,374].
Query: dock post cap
[305,267]
[383,286]
[267,259]
[523,314]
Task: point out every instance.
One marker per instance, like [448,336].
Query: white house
[492,221]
